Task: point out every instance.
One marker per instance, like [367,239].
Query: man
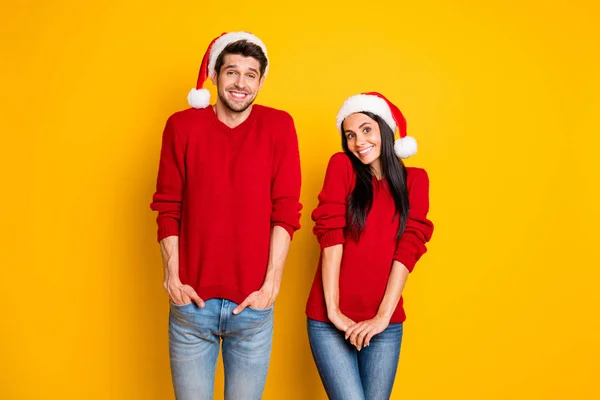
[227,198]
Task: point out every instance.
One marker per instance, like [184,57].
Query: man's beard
[236,107]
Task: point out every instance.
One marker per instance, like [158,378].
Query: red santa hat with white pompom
[200,97]
[377,104]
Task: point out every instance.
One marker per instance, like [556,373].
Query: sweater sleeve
[419,229]
[330,214]
[287,180]
[170,182]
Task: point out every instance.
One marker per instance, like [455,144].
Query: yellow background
[503,98]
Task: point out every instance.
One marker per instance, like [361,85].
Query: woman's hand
[360,334]
[340,320]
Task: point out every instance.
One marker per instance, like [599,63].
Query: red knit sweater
[366,263]
[221,190]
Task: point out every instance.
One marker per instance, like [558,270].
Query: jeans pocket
[180,306]
[262,310]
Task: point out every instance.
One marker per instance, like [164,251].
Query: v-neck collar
[243,127]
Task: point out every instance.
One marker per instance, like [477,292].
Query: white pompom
[405,147]
[199,98]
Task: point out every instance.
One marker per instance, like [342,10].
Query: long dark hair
[392,170]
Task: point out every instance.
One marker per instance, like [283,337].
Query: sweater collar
[243,127]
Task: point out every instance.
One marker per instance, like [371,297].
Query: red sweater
[366,263]
[221,190]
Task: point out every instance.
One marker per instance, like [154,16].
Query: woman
[372,226]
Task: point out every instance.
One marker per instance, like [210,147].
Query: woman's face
[363,137]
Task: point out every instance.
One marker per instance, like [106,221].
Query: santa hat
[377,104]
[200,97]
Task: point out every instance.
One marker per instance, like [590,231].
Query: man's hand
[361,333]
[179,293]
[259,300]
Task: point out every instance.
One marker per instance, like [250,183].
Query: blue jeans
[195,336]
[349,374]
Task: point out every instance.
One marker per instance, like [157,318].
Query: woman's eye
[367,130]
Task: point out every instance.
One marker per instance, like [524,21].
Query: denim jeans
[195,336]
[349,374]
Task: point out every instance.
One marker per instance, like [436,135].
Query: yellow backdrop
[503,98]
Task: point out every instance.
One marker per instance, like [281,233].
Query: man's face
[238,82]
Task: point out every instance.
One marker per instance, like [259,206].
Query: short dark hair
[244,49]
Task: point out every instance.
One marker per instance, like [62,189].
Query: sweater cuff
[331,238]
[289,229]
[168,227]
[406,259]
